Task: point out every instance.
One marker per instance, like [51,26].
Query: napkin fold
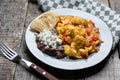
[110,17]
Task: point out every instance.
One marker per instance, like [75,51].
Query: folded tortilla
[47,20]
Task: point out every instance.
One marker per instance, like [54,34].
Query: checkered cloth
[110,17]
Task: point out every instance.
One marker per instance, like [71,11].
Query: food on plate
[49,43]
[79,36]
[66,36]
[47,20]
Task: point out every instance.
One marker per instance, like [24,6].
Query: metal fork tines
[12,55]
[9,53]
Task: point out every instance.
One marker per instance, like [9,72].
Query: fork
[13,56]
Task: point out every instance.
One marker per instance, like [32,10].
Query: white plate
[69,64]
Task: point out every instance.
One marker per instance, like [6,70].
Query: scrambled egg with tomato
[79,36]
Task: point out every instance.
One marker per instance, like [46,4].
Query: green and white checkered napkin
[110,17]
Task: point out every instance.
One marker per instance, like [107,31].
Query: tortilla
[47,20]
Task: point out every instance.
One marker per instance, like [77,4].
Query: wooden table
[15,15]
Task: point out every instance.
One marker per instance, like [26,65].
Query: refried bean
[57,52]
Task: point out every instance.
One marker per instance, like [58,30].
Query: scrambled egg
[79,36]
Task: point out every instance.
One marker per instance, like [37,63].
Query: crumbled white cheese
[48,39]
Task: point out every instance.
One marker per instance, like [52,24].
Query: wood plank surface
[15,16]
[115,5]
[105,2]
[11,28]
[21,72]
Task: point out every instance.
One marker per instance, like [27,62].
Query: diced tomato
[92,22]
[88,31]
[94,37]
[85,55]
[64,38]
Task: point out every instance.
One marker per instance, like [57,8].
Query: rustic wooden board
[15,16]
[11,28]
[22,73]
[115,5]
[105,2]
